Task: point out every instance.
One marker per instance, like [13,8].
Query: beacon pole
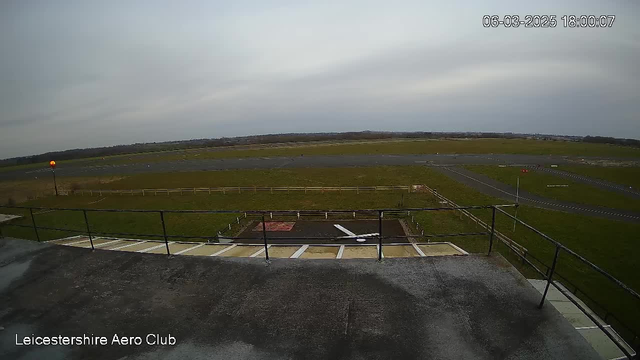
[52,164]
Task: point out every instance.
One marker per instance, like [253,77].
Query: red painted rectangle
[275,226]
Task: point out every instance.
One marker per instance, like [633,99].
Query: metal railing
[548,276]
[526,257]
[376,213]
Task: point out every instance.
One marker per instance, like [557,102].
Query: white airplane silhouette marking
[351,234]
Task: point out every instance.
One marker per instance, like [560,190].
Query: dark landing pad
[325,229]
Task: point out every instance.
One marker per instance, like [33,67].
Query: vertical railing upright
[164,233]
[550,276]
[379,235]
[86,222]
[264,236]
[33,221]
[493,228]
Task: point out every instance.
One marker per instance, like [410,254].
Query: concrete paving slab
[117,244]
[438,249]
[601,343]
[282,251]
[173,248]
[70,240]
[242,251]
[206,250]
[579,320]
[399,251]
[360,252]
[320,252]
[96,243]
[140,246]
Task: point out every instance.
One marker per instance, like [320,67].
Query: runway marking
[97,201]
[188,249]
[340,252]
[544,202]
[299,252]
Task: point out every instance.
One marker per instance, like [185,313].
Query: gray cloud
[80,74]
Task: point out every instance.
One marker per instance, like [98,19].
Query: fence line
[522,253]
[241,189]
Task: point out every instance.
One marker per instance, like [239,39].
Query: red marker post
[52,164]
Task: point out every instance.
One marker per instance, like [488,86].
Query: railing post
[493,228]
[86,221]
[164,232]
[550,277]
[379,235]
[264,236]
[35,228]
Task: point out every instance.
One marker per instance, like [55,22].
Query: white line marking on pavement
[107,243]
[299,252]
[223,250]
[592,327]
[188,249]
[418,249]
[125,246]
[76,242]
[259,252]
[152,248]
[340,252]
[457,248]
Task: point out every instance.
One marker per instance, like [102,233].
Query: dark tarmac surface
[503,191]
[325,229]
[467,307]
[602,184]
[83,169]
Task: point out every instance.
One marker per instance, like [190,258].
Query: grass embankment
[20,191]
[629,176]
[607,243]
[395,146]
[536,183]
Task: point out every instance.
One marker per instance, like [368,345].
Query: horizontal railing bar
[571,252]
[253,211]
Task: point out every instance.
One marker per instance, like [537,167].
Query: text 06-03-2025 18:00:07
[548,21]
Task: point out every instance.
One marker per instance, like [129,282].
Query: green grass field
[395,146]
[629,176]
[536,183]
[607,243]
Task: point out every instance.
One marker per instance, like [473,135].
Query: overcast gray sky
[84,74]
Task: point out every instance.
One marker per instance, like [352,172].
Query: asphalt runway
[95,169]
[500,190]
[599,183]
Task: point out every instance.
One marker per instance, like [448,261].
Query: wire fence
[239,190]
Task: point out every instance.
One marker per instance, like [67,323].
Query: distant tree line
[288,138]
[610,140]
